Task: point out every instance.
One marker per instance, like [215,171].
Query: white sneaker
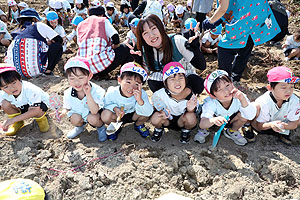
[201,135]
[76,131]
[236,137]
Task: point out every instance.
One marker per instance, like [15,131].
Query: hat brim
[27,16]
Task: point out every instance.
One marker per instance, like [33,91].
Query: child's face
[14,8]
[78,80]
[151,35]
[78,5]
[21,8]
[223,93]
[282,91]
[176,83]
[54,23]
[125,10]
[133,29]
[295,38]
[110,11]
[13,88]
[128,85]
[180,15]
[213,36]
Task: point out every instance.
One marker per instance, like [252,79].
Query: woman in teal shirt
[248,23]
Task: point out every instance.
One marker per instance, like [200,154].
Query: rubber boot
[15,127]
[43,123]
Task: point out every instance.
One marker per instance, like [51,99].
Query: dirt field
[135,168]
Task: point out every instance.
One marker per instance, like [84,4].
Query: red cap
[4,67]
[282,74]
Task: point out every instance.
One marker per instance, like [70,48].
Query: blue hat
[217,30]
[51,15]
[29,12]
[188,22]
[76,20]
[134,22]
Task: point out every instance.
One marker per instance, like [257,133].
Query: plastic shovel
[55,104]
[218,133]
[114,126]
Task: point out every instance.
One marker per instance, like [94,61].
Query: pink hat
[282,74]
[172,68]
[11,2]
[4,67]
[212,77]
[136,68]
[78,62]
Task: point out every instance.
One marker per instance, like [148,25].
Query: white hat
[212,77]
[110,5]
[11,3]
[96,3]
[23,4]
[189,3]
[179,9]
[79,1]
[77,62]
[55,4]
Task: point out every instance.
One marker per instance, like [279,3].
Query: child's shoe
[76,131]
[143,131]
[15,127]
[201,135]
[42,123]
[185,136]
[157,134]
[235,136]
[114,136]
[102,133]
[285,139]
[248,133]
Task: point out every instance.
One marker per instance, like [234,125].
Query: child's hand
[119,112]
[138,94]
[192,103]
[218,120]
[87,89]
[163,115]
[278,126]
[238,94]
[7,123]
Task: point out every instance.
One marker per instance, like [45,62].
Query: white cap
[55,4]
[96,3]
[79,1]
[110,5]
[189,3]
[179,9]
[23,4]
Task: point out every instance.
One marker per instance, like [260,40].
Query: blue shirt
[246,18]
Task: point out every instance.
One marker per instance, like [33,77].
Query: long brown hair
[167,47]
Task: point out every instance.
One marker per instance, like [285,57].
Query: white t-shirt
[75,105]
[14,15]
[2,13]
[269,111]
[3,29]
[46,31]
[30,95]
[77,11]
[291,43]
[176,107]
[130,35]
[113,98]
[207,37]
[213,108]
[113,16]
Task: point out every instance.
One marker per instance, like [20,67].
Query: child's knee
[156,119]
[76,120]
[5,105]
[106,116]
[94,120]
[190,119]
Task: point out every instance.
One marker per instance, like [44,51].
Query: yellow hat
[21,189]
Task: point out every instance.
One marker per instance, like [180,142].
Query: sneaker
[236,137]
[76,131]
[102,133]
[185,136]
[143,131]
[201,135]
[114,136]
[248,133]
[285,139]
[157,134]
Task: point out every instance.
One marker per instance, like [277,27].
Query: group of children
[277,111]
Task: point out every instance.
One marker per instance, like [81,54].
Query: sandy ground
[136,168]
